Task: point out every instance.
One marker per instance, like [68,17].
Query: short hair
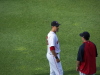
[86,38]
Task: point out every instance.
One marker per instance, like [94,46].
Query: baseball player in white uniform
[53,50]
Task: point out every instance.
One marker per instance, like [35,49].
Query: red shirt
[88,58]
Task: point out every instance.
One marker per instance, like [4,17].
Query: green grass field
[24,25]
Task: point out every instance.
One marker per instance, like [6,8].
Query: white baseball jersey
[52,40]
[55,67]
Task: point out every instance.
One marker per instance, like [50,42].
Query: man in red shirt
[86,57]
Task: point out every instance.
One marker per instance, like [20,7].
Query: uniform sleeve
[52,40]
[80,53]
[96,53]
[96,50]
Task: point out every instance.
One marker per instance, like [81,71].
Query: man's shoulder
[51,34]
[92,43]
[82,45]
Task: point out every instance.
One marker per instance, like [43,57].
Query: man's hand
[55,55]
[58,60]
[77,68]
[77,65]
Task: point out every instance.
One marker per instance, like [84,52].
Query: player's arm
[96,51]
[80,56]
[52,41]
[77,65]
[52,49]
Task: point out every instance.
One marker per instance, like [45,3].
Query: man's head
[85,36]
[55,26]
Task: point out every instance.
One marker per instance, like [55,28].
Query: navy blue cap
[55,23]
[85,34]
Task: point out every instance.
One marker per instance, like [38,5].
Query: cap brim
[81,34]
[59,24]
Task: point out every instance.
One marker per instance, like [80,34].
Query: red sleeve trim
[52,48]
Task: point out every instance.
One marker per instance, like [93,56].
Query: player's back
[90,51]
[52,40]
[88,65]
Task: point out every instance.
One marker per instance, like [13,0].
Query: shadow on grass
[72,72]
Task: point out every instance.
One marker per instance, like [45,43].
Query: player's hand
[77,68]
[58,60]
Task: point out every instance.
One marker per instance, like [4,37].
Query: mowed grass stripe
[25,24]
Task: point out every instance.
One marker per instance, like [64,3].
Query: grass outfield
[24,25]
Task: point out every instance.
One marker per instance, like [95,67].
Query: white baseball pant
[55,68]
[80,73]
